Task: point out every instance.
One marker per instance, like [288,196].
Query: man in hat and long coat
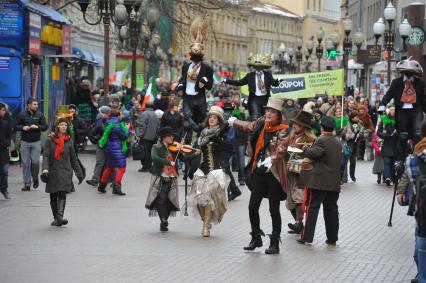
[301,138]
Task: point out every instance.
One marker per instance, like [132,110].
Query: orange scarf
[409,93]
[261,140]
[420,146]
[60,144]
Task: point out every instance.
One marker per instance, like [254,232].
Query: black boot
[35,168]
[54,207]
[379,178]
[101,187]
[274,247]
[256,240]
[296,228]
[60,216]
[164,225]
[116,189]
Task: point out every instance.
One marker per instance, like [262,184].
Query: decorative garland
[104,140]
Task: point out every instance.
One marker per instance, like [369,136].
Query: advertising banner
[66,40]
[11,23]
[34,46]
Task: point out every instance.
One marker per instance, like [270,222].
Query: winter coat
[395,91]
[60,171]
[148,124]
[115,156]
[387,131]
[5,138]
[326,154]
[175,121]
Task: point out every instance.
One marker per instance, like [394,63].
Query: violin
[178,147]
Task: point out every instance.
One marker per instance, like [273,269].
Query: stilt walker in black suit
[197,77]
[259,82]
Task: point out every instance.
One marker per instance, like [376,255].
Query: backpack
[419,197]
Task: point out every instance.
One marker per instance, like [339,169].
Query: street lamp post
[347,47]
[281,58]
[117,11]
[319,51]
[135,31]
[290,53]
[379,29]
[299,55]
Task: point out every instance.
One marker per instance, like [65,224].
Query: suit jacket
[395,91]
[250,80]
[326,154]
[205,75]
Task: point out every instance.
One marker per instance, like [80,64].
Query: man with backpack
[415,177]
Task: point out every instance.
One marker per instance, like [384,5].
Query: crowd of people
[298,151]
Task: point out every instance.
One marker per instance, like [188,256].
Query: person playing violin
[163,198]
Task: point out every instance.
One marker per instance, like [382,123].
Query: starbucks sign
[416,37]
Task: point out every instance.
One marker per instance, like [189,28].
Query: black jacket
[26,118]
[390,138]
[175,121]
[395,91]
[250,80]
[5,137]
[204,72]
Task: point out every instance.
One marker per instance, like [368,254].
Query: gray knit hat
[105,110]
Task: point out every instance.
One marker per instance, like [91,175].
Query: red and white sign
[66,40]
[34,42]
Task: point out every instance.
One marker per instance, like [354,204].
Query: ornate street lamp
[319,51]
[299,55]
[379,29]
[117,11]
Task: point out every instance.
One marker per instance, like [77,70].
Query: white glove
[382,108]
[231,121]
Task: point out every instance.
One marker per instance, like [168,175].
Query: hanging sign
[34,45]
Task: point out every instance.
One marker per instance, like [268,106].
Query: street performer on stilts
[163,197]
[300,138]
[410,102]
[259,83]
[267,174]
[208,196]
[197,77]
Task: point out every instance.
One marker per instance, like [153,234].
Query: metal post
[106,59]
[134,69]
[389,68]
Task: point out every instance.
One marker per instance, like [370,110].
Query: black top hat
[303,119]
[328,123]
[227,106]
[165,131]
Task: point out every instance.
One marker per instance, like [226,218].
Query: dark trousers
[408,126]
[196,106]
[388,169]
[147,161]
[226,155]
[163,200]
[361,149]
[330,211]
[240,151]
[4,174]
[352,165]
[256,106]
[265,184]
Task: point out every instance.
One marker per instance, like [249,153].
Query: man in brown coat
[323,181]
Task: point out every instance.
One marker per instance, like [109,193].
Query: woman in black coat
[387,131]
[59,162]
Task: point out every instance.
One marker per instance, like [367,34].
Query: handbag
[138,151]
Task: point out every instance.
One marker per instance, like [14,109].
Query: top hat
[303,118]
[165,131]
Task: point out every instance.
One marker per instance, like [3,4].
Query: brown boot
[206,222]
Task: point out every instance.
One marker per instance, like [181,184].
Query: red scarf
[409,93]
[261,140]
[60,142]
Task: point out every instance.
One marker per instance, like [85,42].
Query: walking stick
[186,187]
[395,187]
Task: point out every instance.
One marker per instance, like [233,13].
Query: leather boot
[116,189]
[256,240]
[54,207]
[60,216]
[101,187]
[206,222]
[274,247]
[35,168]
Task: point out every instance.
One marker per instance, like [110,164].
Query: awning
[98,59]
[84,55]
[45,11]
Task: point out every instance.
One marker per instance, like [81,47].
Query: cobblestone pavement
[112,239]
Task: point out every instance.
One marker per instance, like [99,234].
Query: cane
[186,187]
[399,170]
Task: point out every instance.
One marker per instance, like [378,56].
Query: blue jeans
[240,150]
[420,257]
[388,167]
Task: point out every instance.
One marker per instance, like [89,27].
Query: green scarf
[339,122]
[236,113]
[387,120]
[103,141]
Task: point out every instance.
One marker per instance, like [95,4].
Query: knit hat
[216,110]
[105,110]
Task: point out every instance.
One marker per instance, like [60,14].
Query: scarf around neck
[206,134]
[108,130]
[60,144]
[267,128]
[420,146]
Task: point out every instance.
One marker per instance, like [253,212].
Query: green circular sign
[416,37]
